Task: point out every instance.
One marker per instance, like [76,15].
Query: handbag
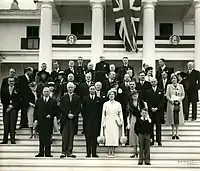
[118,121]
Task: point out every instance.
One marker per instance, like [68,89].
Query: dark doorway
[77,29]
[166,29]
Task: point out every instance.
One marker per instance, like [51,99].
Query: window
[166,29]
[32,32]
[77,29]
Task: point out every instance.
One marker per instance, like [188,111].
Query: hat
[61,73]
[32,84]
[134,92]
[51,84]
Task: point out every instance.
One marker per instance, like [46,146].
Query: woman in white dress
[112,122]
[175,93]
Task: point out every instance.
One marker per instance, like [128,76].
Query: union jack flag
[127,14]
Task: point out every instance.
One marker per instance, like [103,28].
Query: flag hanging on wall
[127,16]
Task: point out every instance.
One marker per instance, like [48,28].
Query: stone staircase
[172,156]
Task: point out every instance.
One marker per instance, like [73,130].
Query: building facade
[31,37]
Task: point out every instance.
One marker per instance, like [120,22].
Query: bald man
[193,85]
[70,105]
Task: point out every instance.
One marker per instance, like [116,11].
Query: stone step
[80,149]
[81,155]
[24,140]
[102,168]
[83,162]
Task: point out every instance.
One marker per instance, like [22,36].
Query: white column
[197,34]
[97,29]
[45,52]
[149,33]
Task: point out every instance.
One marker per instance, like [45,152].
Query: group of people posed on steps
[117,109]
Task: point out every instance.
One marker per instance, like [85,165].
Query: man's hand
[31,104]
[35,124]
[10,107]
[128,126]
[71,116]
[154,109]
[48,116]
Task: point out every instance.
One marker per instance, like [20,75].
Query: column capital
[97,3]
[196,3]
[149,3]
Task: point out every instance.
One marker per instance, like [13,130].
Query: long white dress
[111,112]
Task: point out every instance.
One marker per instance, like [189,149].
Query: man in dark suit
[109,83]
[43,71]
[44,113]
[162,84]
[91,110]
[193,81]
[70,105]
[83,89]
[24,81]
[155,99]
[102,68]
[163,67]
[142,86]
[12,74]
[81,68]
[54,73]
[123,69]
[10,98]
[124,97]
[60,84]
[72,70]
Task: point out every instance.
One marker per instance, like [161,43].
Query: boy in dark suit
[44,113]
[10,99]
[143,129]
[70,105]
[91,110]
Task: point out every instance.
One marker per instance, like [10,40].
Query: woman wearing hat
[112,122]
[133,108]
[31,100]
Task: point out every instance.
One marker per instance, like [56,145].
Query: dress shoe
[95,156]
[71,155]
[3,142]
[140,163]
[48,155]
[173,137]
[152,143]
[88,156]
[193,119]
[160,144]
[134,155]
[147,163]
[13,142]
[177,137]
[62,155]
[39,155]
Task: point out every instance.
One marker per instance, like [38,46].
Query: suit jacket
[24,89]
[83,90]
[161,86]
[155,99]
[122,71]
[159,72]
[106,86]
[91,110]
[193,82]
[125,94]
[142,89]
[68,107]
[10,99]
[54,74]
[5,83]
[81,73]
[101,69]
[43,109]
[60,88]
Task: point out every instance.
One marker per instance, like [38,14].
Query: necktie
[70,97]
[142,83]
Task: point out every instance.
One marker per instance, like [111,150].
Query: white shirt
[163,67]
[98,93]
[57,70]
[154,88]
[46,99]
[27,77]
[92,97]
[164,82]
[126,84]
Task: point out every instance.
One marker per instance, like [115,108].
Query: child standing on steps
[143,129]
